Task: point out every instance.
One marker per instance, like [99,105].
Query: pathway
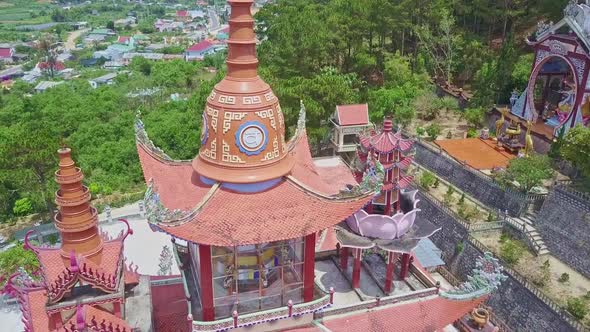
[525,224]
[72,36]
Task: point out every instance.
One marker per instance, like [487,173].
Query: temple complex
[262,232]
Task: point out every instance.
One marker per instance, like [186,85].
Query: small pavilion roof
[352,115]
[94,319]
[385,141]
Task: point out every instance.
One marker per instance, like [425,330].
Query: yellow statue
[500,123]
[512,131]
[528,140]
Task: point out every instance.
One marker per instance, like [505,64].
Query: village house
[45,85]
[6,54]
[200,50]
[107,79]
[163,25]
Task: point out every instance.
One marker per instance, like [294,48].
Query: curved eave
[286,211]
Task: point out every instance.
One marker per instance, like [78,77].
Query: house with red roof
[348,121]
[200,50]
[6,54]
[183,16]
[47,67]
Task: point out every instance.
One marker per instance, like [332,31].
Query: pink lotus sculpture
[385,227]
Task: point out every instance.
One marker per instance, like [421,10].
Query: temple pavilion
[261,231]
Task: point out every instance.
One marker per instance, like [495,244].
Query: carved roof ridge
[142,139]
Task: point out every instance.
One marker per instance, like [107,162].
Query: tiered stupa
[245,212]
[83,281]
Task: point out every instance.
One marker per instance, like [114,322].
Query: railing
[454,281]
[370,304]
[531,288]
[263,316]
[566,188]
[527,234]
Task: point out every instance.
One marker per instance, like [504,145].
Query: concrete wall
[564,224]
[477,185]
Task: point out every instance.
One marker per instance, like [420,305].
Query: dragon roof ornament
[142,137]
[372,181]
[485,278]
[156,212]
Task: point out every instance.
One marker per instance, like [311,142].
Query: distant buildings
[6,54]
[98,35]
[200,50]
[45,85]
[105,79]
[163,25]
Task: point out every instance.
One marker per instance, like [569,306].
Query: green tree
[16,257]
[22,207]
[577,307]
[576,149]
[110,25]
[529,171]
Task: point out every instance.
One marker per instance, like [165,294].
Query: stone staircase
[526,225]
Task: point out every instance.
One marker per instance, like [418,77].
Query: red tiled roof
[170,309]
[351,115]
[181,13]
[202,46]
[297,206]
[178,185]
[429,314]
[94,319]
[123,39]
[58,66]
[386,142]
[283,212]
[35,301]
[6,52]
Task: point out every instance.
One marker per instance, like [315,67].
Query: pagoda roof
[94,319]
[385,141]
[199,210]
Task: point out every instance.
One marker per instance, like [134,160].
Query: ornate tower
[243,135]
[77,220]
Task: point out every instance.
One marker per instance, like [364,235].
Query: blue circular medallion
[252,138]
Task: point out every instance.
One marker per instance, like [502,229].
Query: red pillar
[206,278]
[309,268]
[356,269]
[389,273]
[117,309]
[344,258]
[55,321]
[405,266]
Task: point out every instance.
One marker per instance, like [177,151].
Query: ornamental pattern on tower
[227,157]
[213,113]
[228,117]
[268,114]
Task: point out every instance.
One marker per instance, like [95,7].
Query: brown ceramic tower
[243,135]
[77,220]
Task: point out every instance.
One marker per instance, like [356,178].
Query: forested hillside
[325,52]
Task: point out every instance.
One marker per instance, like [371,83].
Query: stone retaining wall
[513,303]
[564,225]
[472,182]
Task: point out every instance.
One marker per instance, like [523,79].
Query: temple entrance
[554,93]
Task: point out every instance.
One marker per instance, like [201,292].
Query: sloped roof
[6,52]
[427,314]
[200,47]
[351,115]
[181,13]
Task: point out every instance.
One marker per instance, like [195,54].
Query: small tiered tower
[389,149]
[83,281]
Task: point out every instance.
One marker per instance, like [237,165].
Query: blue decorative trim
[250,188]
[241,130]
[205,130]
[207,181]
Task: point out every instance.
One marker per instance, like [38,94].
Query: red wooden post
[117,309]
[389,273]
[405,266]
[206,274]
[235,316]
[344,258]
[356,269]
[309,268]
[369,208]
[290,305]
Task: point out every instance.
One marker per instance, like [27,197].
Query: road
[213,19]
[71,42]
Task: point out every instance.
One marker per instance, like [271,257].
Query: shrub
[52,239]
[542,277]
[462,199]
[565,277]
[420,131]
[433,130]
[577,307]
[511,251]
[474,116]
[471,133]
[427,179]
[436,183]
[448,199]
[449,134]
[22,207]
